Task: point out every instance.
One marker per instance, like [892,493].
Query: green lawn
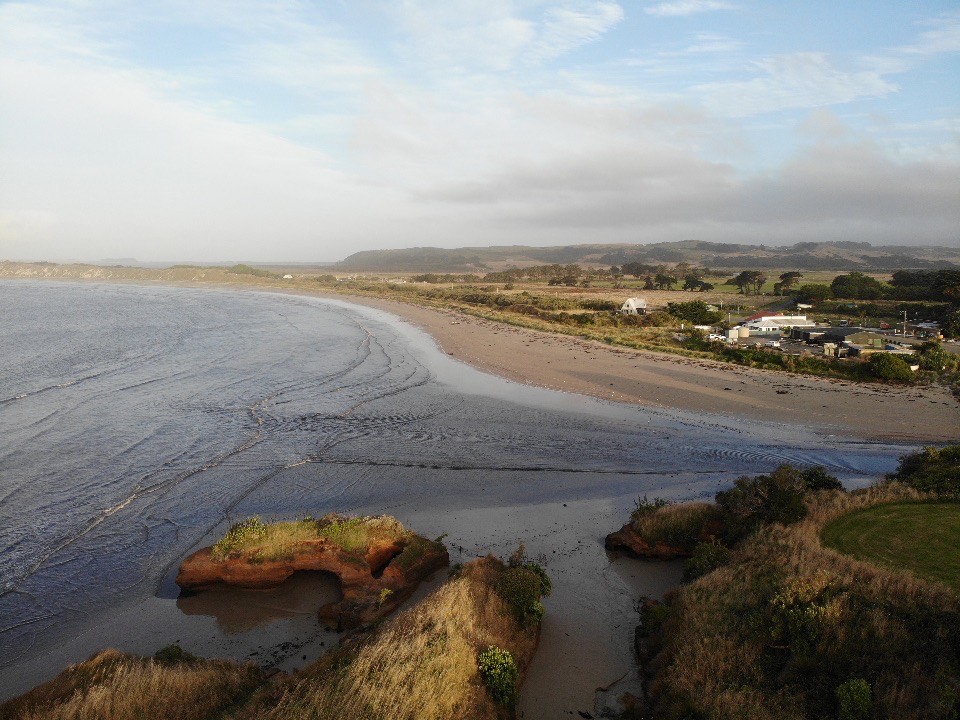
[921,537]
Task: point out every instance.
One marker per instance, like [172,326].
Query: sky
[290,130]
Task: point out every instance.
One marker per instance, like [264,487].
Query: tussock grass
[115,686]
[773,634]
[681,525]
[422,665]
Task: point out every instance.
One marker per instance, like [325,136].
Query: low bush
[522,583]
[932,470]
[890,368]
[238,536]
[681,526]
[855,700]
[774,498]
[500,674]
[706,557]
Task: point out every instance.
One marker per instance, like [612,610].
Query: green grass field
[921,537]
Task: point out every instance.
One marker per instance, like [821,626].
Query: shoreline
[872,412]
[878,413]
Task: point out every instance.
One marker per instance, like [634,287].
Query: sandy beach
[570,364]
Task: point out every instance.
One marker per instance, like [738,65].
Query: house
[854,336]
[288,277]
[634,306]
[776,323]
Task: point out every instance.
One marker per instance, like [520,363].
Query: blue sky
[295,130]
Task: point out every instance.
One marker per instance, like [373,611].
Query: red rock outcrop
[627,538]
[373,583]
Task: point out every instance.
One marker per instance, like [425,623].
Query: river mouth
[141,422]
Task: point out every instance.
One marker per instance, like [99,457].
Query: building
[634,306]
[762,324]
[853,336]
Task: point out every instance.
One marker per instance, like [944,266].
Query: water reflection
[238,610]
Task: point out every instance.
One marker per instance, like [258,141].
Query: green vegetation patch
[923,538]
[260,541]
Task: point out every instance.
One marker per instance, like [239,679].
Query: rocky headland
[377,562]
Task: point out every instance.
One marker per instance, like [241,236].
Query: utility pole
[904,323]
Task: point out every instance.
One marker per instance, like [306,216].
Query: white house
[634,306]
[288,277]
[777,323]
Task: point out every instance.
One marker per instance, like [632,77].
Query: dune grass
[421,665]
[424,664]
[778,631]
[923,538]
[123,687]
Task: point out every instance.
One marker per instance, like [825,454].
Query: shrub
[816,478]
[239,534]
[855,700]
[385,595]
[753,502]
[890,368]
[706,557]
[932,470]
[242,269]
[802,611]
[522,584]
[696,312]
[173,655]
[681,526]
[500,674]
[645,507]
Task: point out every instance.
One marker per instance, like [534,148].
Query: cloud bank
[274,131]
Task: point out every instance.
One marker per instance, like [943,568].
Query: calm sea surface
[137,422]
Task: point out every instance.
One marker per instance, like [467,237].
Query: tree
[789,279]
[933,357]
[890,368]
[857,286]
[695,312]
[749,280]
[812,293]
[664,281]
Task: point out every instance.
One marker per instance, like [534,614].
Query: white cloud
[566,28]
[713,43]
[797,80]
[687,7]
[943,38]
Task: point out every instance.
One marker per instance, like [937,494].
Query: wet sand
[570,364]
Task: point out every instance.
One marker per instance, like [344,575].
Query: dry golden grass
[771,635]
[420,666]
[115,686]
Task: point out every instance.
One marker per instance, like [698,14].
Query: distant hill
[801,256]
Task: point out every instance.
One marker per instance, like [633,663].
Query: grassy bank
[922,538]
[461,652]
[815,603]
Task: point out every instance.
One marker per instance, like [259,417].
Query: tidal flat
[137,423]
